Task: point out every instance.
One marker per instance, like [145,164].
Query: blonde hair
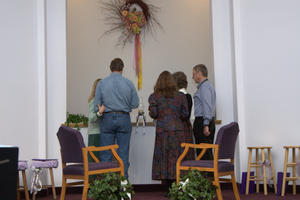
[94,89]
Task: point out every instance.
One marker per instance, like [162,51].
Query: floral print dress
[169,113]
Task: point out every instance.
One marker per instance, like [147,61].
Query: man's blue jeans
[116,126]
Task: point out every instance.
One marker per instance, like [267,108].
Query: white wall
[185,41]
[269,58]
[19,80]
[29,105]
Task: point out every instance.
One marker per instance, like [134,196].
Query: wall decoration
[133,19]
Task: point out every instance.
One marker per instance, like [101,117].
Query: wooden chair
[223,149]
[292,165]
[45,164]
[22,166]
[260,163]
[75,160]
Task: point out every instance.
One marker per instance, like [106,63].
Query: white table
[141,155]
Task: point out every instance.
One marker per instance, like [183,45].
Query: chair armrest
[199,146]
[203,146]
[186,149]
[90,149]
[109,147]
[93,156]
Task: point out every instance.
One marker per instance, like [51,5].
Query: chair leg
[257,170]
[294,170]
[234,186]
[284,172]
[248,171]
[52,183]
[85,189]
[25,185]
[177,175]
[264,172]
[63,188]
[216,183]
[273,172]
[18,188]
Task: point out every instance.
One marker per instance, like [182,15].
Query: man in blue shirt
[205,106]
[119,97]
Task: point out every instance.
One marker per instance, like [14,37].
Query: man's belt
[117,112]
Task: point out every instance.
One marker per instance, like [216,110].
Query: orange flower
[134,25]
[134,18]
[124,12]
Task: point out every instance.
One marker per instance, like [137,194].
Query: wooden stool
[22,166]
[46,164]
[258,163]
[292,164]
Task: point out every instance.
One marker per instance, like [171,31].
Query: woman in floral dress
[168,107]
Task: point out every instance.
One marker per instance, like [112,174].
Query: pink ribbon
[268,167]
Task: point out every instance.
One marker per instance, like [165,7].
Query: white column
[224,48]
[56,76]
[41,63]
[239,84]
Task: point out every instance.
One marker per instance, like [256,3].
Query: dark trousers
[201,138]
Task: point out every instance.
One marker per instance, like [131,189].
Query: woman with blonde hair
[93,124]
[168,107]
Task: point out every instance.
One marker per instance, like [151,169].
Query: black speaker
[8,172]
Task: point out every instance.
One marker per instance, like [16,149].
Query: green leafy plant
[76,119]
[193,186]
[111,186]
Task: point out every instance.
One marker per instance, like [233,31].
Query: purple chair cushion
[78,169]
[223,166]
[22,165]
[44,163]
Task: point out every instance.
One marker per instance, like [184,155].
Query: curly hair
[166,85]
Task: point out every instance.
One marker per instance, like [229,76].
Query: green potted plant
[76,121]
[193,186]
[111,186]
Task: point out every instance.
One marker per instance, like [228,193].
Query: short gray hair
[201,68]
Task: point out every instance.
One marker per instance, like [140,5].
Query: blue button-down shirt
[205,101]
[117,93]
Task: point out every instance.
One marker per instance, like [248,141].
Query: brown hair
[116,65]
[201,68]
[92,95]
[165,85]
[180,79]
